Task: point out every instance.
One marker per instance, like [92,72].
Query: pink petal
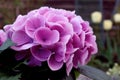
[67,56]
[45,36]
[76,58]
[20,38]
[80,56]
[90,38]
[86,27]
[76,41]
[65,39]
[52,17]
[69,14]
[43,10]
[91,44]
[57,27]
[76,24]
[23,47]
[69,64]
[19,23]
[53,64]
[7,27]
[9,31]
[83,57]
[3,36]
[68,28]
[92,48]
[32,13]
[70,48]
[82,38]
[60,50]
[33,23]
[40,54]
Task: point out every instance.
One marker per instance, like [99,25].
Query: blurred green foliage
[4,77]
[108,54]
[10,9]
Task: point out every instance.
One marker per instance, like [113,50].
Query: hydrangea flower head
[55,36]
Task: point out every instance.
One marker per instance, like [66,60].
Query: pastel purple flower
[51,17]
[43,10]
[56,60]
[20,38]
[32,13]
[40,54]
[45,36]
[56,26]
[80,38]
[53,64]
[64,28]
[68,28]
[69,64]
[8,30]
[19,23]
[90,43]
[23,47]
[7,27]
[55,36]
[34,23]
[76,24]
[3,37]
[86,28]
[22,41]
[59,50]
[65,39]
[70,47]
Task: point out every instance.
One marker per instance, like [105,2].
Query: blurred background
[103,15]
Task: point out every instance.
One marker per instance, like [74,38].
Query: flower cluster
[55,36]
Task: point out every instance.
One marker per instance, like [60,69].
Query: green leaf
[6,77]
[93,73]
[110,49]
[7,44]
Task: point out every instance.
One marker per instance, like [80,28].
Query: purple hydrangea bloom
[55,36]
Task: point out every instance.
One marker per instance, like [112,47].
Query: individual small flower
[3,37]
[40,54]
[56,60]
[56,36]
[22,40]
[41,36]
[19,23]
[34,23]
[76,24]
